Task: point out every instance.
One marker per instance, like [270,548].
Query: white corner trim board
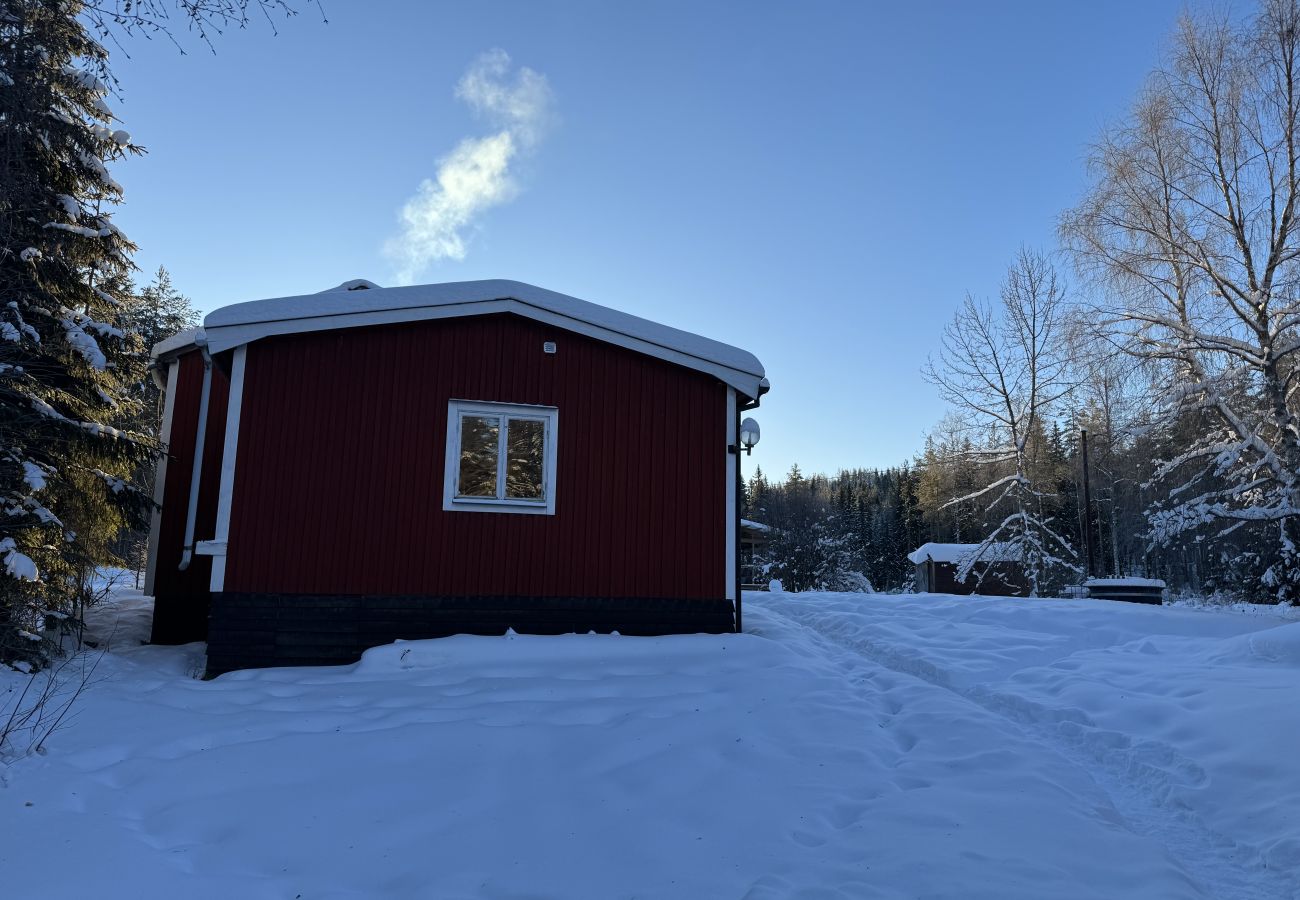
[732,449]
[160,477]
[229,452]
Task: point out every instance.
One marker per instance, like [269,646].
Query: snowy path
[852,747]
[1152,784]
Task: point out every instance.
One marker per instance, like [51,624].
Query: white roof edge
[179,341]
[243,322]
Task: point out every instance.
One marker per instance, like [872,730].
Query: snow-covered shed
[994,569]
[1130,589]
[348,468]
[754,538]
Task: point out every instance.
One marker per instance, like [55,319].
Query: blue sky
[819,183]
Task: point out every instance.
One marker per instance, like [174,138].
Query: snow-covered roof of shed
[1125,582]
[348,307]
[956,553]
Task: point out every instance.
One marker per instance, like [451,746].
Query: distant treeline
[838,532]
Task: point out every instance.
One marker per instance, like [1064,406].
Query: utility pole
[1087,508]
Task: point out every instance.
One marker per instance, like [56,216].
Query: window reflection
[478,456]
[525,446]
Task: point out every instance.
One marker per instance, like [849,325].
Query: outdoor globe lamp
[749,435]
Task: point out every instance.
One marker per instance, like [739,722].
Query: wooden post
[1087,508]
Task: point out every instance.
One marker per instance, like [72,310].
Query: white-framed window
[500,457]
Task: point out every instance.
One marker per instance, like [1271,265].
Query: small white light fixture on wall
[749,435]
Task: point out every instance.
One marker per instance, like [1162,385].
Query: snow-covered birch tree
[1190,229]
[1004,368]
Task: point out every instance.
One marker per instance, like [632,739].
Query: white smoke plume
[477,174]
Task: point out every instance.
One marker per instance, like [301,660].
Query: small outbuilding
[1131,590]
[997,569]
[754,538]
[348,468]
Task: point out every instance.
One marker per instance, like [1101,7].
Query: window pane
[525,447]
[478,456]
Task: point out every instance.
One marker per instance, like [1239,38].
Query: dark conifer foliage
[69,362]
[848,532]
[159,311]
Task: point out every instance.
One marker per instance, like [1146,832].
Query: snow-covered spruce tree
[1004,370]
[159,311]
[1190,226]
[814,545]
[850,532]
[67,365]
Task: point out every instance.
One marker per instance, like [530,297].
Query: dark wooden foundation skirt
[255,630]
[180,619]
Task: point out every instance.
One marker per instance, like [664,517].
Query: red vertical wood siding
[170,583]
[339,474]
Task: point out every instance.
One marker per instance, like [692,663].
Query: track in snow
[1115,763]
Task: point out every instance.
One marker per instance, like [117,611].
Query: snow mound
[1280,645]
[352,284]
[516,652]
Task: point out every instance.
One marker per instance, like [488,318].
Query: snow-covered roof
[352,284]
[359,302]
[754,526]
[1124,582]
[176,343]
[956,553]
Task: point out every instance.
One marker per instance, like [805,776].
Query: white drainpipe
[196,474]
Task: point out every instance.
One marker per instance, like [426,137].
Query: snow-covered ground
[850,746]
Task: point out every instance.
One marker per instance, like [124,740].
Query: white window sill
[470,504]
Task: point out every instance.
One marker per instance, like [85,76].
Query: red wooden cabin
[383,463]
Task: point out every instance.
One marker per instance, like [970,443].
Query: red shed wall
[181,597]
[339,475]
